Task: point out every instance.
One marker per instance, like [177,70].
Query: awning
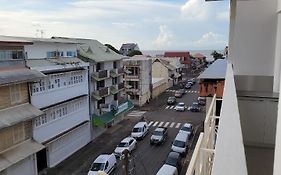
[96,96]
[20,113]
[18,153]
[19,76]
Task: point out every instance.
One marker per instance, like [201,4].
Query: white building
[138,79]
[248,138]
[62,95]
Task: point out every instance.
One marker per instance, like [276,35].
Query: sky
[152,24]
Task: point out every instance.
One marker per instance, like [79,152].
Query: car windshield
[122,144]
[157,133]
[137,130]
[171,98]
[171,161]
[97,166]
[178,143]
[186,129]
[181,104]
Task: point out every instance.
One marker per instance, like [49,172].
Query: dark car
[159,135]
[171,101]
[202,101]
[194,107]
[174,159]
[188,86]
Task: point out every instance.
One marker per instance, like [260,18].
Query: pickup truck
[159,135]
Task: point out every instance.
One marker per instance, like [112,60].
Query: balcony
[116,72]
[101,75]
[101,93]
[129,77]
[116,88]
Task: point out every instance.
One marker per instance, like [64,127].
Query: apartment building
[127,48]
[138,79]
[62,95]
[247,139]
[17,147]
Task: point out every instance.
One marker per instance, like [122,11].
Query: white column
[277,61]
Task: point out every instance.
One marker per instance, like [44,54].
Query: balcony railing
[101,93]
[116,88]
[101,75]
[203,155]
[116,72]
[130,77]
[120,70]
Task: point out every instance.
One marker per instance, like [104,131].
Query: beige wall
[159,89]
[5,94]
[14,135]
[158,70]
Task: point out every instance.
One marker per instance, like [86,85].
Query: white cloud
[211,39]
[164,37]
[195,10]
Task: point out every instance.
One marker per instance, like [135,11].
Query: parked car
[188,85]
[180,144]
[202,101]
[178,94]
[140,130]
[190,82]
[194,107]
[167,170]
[128,143]
[105,163]
[193,80]
[159,135]
[187,128]
[174,159]
[180,106]
[171,101]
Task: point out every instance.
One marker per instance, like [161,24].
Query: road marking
[185,91]
[167,107]
[172,124]
[166,124]
[178,125]
[172,107]
[155,123]
[150,123]
[136,113]
[160,124]
[188,91]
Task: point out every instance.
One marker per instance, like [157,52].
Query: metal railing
[202,159]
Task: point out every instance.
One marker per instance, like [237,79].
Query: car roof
[102,158]
[140,124]
[195,103]
[181,103]
[159,129]
[172,97]
[181,136]
[127,139]
[174,155]
[166,169]
[187,125]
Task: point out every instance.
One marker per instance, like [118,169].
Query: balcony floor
[259,160]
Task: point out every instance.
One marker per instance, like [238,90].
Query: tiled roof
[176,54]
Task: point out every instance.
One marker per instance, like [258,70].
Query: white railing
[202,159]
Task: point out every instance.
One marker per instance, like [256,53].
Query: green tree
[216,55]
[135,52]
[112,48]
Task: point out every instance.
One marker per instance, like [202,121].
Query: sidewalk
[80,162]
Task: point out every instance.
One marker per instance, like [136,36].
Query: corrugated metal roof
[18,153]
[13,115]
[30,39]
[19,75]
[53,64]
[217,70]
[9,39]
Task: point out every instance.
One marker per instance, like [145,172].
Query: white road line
[150,123]
[178,125]
[136,113]
[172,124]
[160,124]
[188,91]
[155,123]
[172,107]
[185,91]
[166,124]
[167,107]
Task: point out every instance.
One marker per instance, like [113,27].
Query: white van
[167,170]
[105,163]
[140,130]
[180,143]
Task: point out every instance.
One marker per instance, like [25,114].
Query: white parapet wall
[229,153]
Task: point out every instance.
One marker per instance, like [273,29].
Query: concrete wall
[39,49]
[25,166]
[253,44]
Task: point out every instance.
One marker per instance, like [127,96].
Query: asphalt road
[146,159]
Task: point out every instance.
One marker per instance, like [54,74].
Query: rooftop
[30,40]
[217,70]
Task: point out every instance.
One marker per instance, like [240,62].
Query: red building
[185,57]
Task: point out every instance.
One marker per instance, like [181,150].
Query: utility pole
[125,162]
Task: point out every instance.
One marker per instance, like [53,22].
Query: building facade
[18,149]
[127,48]
[138,79]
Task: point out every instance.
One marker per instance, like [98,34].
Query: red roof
[199,56]
[176,54]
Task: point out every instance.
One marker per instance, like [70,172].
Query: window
[114,64]
[15,95]
[100,84]
[98,67]
[53,54]
[71,54]
[114,81]
[115,97]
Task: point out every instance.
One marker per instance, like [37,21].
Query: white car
[187,128]
[140,130]
[180,107]
[129,143]
[105,163]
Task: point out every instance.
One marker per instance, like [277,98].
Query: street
[146,159]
